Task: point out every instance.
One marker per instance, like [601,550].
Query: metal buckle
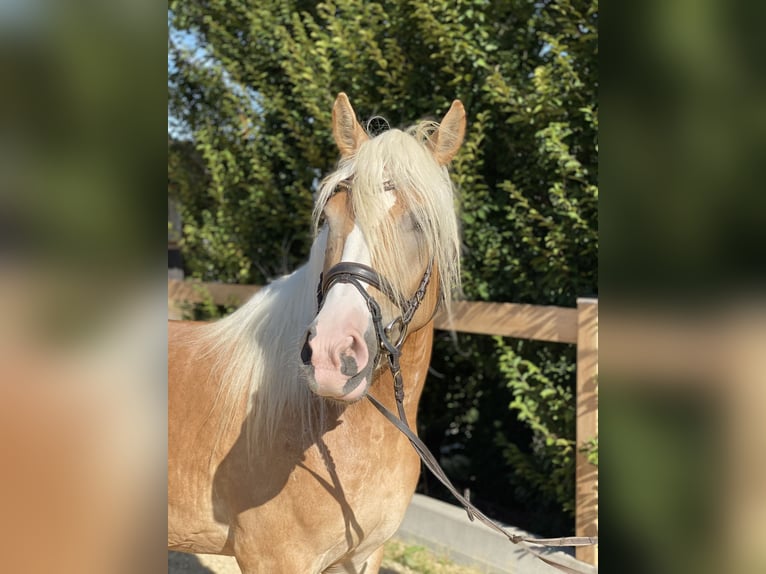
[402,331]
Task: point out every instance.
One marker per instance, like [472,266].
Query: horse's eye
[415,225]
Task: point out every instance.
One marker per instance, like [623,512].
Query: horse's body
[259,466]
[303,507]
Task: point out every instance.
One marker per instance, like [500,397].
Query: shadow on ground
[180,562]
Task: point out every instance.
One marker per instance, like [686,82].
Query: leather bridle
[358,274]
[391,336]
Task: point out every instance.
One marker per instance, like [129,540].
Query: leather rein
[391,339]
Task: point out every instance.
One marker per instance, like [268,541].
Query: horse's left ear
[448,138]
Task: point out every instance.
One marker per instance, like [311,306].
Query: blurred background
[682,266]
[82,278]
[675,248]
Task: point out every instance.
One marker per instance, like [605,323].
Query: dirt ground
[181,563]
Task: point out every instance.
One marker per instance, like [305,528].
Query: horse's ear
[446,141]
[348,134]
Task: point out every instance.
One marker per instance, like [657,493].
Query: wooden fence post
[586,509]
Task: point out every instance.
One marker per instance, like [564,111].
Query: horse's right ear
[348,134]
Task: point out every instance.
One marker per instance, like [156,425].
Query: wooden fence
[578,326]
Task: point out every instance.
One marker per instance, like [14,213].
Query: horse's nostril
[306,352]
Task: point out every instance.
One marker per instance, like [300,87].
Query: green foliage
[591,449]
[253,97]
[543,400]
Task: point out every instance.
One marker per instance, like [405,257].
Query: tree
[254,89]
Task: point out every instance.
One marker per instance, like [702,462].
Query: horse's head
[392,247]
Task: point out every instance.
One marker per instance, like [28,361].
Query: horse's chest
[337,501]
[376,483]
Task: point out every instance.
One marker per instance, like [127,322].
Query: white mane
[257,347]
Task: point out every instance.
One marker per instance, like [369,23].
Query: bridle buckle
[401,332]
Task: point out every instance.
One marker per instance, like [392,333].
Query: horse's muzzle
[339,365]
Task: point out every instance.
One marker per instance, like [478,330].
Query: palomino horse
[272,455]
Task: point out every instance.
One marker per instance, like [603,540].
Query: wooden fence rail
[536,322]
